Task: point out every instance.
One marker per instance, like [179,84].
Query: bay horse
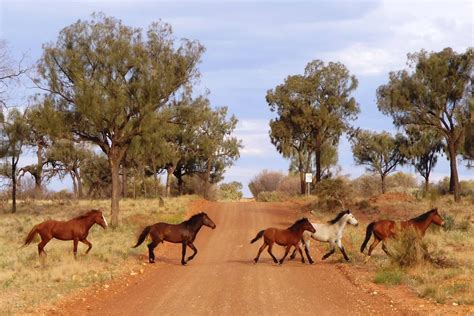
[75,229]
[183,233]
[384,229]
[284,237]
[330,232]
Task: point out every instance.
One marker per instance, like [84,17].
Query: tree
[422,149]
[433,96]
[107,79]
[469,138]
[379,152]
[15,134]
[231,191]
[313,111]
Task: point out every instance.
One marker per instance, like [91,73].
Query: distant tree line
[117,108]
[430,103]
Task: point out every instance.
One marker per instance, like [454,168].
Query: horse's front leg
[341,247]
[306,249]
[191,245]
[183,253]
[87,242]
[76,241]
[286,253]
[301,252]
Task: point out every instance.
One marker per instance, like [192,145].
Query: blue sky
[252,46]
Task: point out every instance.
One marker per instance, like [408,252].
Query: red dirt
[222,279]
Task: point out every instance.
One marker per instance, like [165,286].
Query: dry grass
[25,282]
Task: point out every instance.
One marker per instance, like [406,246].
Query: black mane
[195,219]
[297,224]
[423,216]
[338,217]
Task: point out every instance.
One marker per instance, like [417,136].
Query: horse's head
[306,225]
[436,218]
[351,219]
[207,221]
[99,219]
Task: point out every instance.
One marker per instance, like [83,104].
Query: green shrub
[274,196]
[230,191]
[333,194]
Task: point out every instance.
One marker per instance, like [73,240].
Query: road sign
[308,177]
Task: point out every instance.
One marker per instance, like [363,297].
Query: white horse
[330,232]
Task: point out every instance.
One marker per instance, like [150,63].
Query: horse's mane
[423,216]
[194,219]
[87,214]
[297,224]
[338,217]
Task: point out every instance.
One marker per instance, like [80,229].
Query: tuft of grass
[391,276]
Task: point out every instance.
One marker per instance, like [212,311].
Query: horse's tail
[368,233]
[259,235]
[143,235]
[30,236]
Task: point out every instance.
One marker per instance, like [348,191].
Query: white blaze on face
[106,225]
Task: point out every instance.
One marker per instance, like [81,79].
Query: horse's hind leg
[191,245]
[333,249]
[76,241]
[85,241]
[306,249]
[384,248]
[301,252]
[287,250]
[270,247]
[260,251]
[373,245]
[151,254]
[41,246]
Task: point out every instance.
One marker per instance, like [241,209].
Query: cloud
[254,136]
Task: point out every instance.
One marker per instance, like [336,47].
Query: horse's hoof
[255,261]
[311,262]
[183,263]
[151,261]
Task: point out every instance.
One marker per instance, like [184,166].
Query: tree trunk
[39,171]
[454,178]
[80,193]
[169,172]
[115,171]
[207,178]
[302,182]
[317,152]
[427,185]
[74,184]
[382,176]
[124,181]
[180,185]
[13,185]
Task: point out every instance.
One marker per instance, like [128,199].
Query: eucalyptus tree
[107,79]
[433,95]
[379,152]
[313,110]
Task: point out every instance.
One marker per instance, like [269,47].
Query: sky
[252,46]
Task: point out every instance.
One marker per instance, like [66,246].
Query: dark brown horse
[388,229]
[75,229]
[183,233]
[284,237]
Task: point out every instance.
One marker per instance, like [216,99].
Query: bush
[230,191]
[401,182]
[366,207]
[367,185]
[333,194]
[265,181]
[273,196]
[290,185]
[407,250]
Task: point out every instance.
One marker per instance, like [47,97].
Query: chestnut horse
[388,229]
[284,237]
[183,233]
[75,229]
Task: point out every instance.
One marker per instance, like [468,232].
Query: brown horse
[183,233]
[284,237]
[75,229]
[388,229]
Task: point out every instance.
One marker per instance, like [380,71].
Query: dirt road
[222,279]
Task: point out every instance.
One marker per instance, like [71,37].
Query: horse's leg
[341,248]
[76,241]
[373,245]
[306,249]
[270,247]
[333,249]
[191,245]
[260,251]
[87,242]
[300,251]
[293,255]
[41,245]
[384,248]
[287,250]
[151,254]
[183,253]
